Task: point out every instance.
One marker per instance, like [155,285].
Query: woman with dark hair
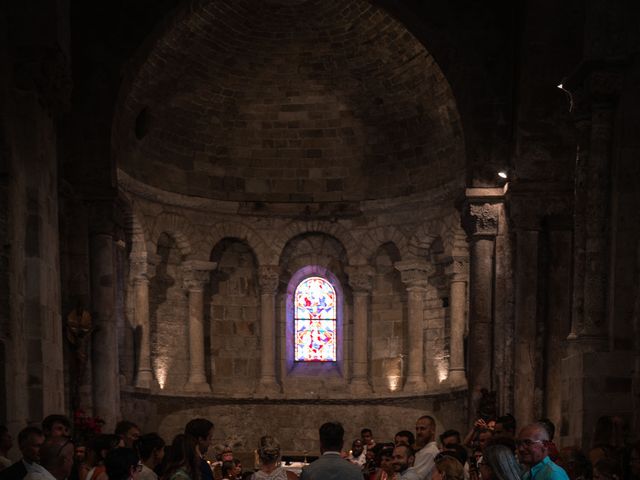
[150,447]
[99,448]
[122,464]
[499,463]
[269,455]
[183,459]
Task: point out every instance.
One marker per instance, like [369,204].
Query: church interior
[460,176]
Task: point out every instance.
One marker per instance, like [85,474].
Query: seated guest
[201,430]
[367,438]
[450,437]
[447,468]
[30,440]
[404,437]
[357,455]
[56,426]
[228,470]
[456,451]
[330,465]
[99,447]
[575,463]
[384,459]
[237,465]
[499,463]
[269,457]
[533,453]
[403,458]
[426,447]
[607,469]
[150,447]
[183,459]
[6,443]
[505,426]
[128,432]
[56,459]
[122,464]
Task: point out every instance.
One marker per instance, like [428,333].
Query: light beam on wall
[161,371]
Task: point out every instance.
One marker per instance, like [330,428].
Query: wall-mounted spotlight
[503,174]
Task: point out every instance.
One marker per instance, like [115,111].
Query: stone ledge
[213,399]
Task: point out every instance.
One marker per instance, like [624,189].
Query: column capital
[196,273]
[143,265]
[414,273]
[360,277]
[458,269]
[268,278]
[480,218]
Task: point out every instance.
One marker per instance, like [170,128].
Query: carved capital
[458,269]
[481,219]
[414,273]
[196,273]
[269,278]
[360,277]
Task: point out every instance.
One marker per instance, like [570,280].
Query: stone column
[141,271]
[415,275]
[481,219]
[196,275]
[268,278]
[360,280]
[104,347]
[458,273]
[526,317]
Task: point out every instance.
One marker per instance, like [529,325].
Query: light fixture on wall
[503,174]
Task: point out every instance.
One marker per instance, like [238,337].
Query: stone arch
[187,238]
[373,239]
[335,230]
[453,236]
[134,226]
[420,243]
[261,250]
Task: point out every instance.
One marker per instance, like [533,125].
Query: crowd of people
[493,450]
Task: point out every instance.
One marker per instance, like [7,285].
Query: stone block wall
[234,321]
[294,424]
[387,344]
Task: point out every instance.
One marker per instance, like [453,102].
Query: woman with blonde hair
[269,455]
[447,468]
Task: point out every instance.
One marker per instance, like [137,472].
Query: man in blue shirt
[533,443]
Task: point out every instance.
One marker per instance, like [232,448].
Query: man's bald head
[532,444]
[535,431]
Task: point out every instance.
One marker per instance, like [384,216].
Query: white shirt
[359,460]
[43,474]
[410,474]
[147,474]
[424,463]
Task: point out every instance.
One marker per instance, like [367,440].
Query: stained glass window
[315,321]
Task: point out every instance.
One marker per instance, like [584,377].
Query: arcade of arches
[171,170]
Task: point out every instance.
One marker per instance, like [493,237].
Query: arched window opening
[315,334]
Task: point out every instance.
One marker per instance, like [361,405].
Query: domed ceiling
[288,101]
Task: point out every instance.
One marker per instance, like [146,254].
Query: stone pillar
[268,278]
[458,273]
[360,280]
[196,276]
[141,270]
[593,334]
[104,347]
[481,219]
[415,275]
[526,316]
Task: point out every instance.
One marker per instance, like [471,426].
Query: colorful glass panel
[315,321]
